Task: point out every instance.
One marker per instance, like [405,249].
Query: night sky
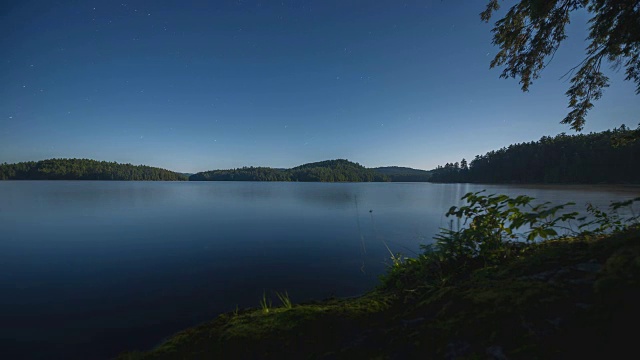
[195,85]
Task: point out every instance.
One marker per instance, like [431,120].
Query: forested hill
[83,169]
[403,174]
[242,174]
[605,157]
[324,171]
[334,171]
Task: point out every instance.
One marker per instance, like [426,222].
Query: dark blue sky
[197,85]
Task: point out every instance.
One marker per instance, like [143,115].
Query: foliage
[488,234]
[325,171]
[490,224]
[531,31]
[83,169]
[611,221]
[604,157]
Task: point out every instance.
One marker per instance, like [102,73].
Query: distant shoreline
[622,188]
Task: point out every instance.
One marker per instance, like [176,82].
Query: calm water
[90,269]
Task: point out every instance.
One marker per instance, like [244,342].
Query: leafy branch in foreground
[489,221]
[610,222]
[487,235]
[531,32]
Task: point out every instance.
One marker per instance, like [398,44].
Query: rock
[590,267]
[584,306]
[581,281]
[555,322]
[457,349]
[495,353]
[412,322]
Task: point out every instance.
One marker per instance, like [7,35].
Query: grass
[265,304]
[284,299]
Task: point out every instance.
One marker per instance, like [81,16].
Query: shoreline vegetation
[85,169]
[480,291]
[606,157]
[339,170]
[596,158]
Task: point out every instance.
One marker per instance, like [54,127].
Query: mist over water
[90,269]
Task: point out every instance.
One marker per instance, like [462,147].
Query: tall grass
[284,299]
[265,304]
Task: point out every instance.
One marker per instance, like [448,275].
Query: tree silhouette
[531,32]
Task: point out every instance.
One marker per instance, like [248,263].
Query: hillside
[603,157]
[404,174]
[242,174]
[334,171]
[84,169]
[324,171]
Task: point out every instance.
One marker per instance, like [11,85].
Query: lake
[89,269]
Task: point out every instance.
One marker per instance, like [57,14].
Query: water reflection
[88,269]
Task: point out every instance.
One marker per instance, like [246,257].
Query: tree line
[83,169]
[404,174]
[324,171]
[604,157]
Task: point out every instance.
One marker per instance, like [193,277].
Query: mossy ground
[561,299]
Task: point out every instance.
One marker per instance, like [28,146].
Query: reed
[265,304]
[284,299]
